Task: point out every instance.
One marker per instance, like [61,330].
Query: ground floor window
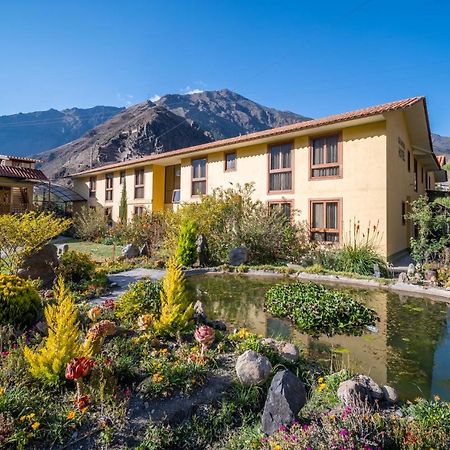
[324,220]
[284,207]
[139,210]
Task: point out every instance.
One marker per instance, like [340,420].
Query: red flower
[79,368]
[82,402]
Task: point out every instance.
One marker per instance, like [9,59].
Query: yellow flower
[321,380]
[71,415]
[31,416]
[2,391]
[23,418]
[35,425]
[157,377]
[163,351]
[321,387]
[277,447]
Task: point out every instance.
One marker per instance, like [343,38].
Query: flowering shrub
[316,309]
[20,304]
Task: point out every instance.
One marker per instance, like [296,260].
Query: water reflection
[409,351]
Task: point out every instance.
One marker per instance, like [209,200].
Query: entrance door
[5,200]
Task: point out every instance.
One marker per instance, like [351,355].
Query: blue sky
[313,58]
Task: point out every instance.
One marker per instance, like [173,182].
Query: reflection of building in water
[415,327]
[440,382]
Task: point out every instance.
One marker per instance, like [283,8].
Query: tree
[187,243]
[123,207]
[23,235]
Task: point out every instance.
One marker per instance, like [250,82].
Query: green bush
[91,224]
[143,297]
[76,266]
[187,243]
[20,304]
[318,310]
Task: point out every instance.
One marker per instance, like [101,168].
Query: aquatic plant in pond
[317,310]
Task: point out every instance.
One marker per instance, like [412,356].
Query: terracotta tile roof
[18,158]
[298,126]
[441,159]
[22,173]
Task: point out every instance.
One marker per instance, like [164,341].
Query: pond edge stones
[286,396]
[252,368]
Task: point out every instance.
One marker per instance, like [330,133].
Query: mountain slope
[441,144]
[140,130]
[175,121]
[223,114]
[25,134]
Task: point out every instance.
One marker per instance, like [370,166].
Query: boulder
[143,250]
[290,352]
[238,256]
[252,368]
[41,264]
[286,396]
[350,392]
[202,319]
[375,391]
[130,251]
[389,394]
[61,249]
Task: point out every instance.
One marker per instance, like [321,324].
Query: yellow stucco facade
[373,187]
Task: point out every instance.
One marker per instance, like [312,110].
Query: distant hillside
[441,144]
[26,134]
[174,121]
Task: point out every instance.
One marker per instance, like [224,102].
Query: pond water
[410,349]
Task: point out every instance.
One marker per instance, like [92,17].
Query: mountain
[441,144]
[140,130]
[174,121]
[25,134]
[223,114]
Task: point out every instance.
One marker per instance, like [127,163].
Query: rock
[143,250]
[290,352]
[201,318]
[252,368]
[411,270]
[403,277]
[238,256]
[431,275]
[41,265]
[373,389]
[286,396]
[61,249]
[130,251]
[389,394]
[350,392]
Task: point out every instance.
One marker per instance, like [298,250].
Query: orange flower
[71,415]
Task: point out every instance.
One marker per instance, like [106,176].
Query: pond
[410,350]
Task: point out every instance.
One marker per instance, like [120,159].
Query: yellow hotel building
[364,165]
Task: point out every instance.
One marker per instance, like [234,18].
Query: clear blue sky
[311,57]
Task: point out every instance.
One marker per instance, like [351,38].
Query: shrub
[187,243]
[76,266]
[91,224]
[142,297]
[20,304]
[62,344]
[123,206]
[176,309]
[230,218]
[22,235]
[317,310]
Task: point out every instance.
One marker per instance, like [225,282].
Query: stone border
[412,290]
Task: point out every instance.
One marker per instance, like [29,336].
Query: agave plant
[76,370]
[204,335]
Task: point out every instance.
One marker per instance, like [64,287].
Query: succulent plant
[205,336]
[102,329]
[76,370]
[94,313]
[145,321]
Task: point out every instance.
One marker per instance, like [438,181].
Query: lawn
[99,252]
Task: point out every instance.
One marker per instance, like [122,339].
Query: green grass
[99,252]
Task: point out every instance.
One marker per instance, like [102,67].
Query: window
[122,176]
[284,207]
[325,157]
[139,210]
[139,183]
[280,167]
[230,161]
[199,176]
[409,161]
[403,213]
[92,186]
[415,175]
[109,179]
[325,220]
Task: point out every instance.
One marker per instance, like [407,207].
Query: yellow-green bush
[20,304]
[76,266]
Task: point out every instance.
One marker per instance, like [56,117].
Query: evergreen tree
[123,207]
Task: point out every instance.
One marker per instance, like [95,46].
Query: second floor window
[139,183]
[122,176]
[109,179]
[92,186]
[325,157]
[199,176]
[283,207]
[280,167]
[230,161]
